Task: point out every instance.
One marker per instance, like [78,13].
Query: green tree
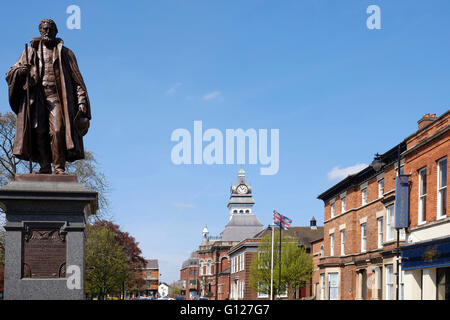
[106,263]
[175,288]
[136,263]
[296,265]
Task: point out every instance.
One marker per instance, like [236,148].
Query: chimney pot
[426,120]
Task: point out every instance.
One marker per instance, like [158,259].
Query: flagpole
[271,267]
[279,270]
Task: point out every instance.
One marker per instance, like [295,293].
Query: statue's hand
[82,108]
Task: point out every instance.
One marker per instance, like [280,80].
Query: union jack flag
[279,219]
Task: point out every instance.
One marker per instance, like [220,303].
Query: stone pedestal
[45,235]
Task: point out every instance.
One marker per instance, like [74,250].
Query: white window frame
[390,294]
[332,245]
[284,294]
[332,210]
[260,254]
[363,237]
[422,210]
[380,188]
[262,295]
[380,222]
[390,222]
[238,264]
[364,196]
[343,203]
[342,233]
[233,265]
[322,286]
[441,189]
[330,287]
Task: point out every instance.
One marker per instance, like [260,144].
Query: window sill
[441,217]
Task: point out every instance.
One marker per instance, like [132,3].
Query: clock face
[242,188]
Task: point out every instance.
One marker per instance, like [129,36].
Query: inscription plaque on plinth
[44,254]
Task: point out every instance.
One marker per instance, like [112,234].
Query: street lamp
[377,163]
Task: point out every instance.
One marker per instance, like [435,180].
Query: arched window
[241,211]
[247,211]
[235,211]
[321,251]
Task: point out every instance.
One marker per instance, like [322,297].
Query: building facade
[213,258]
[358,260]
[426,256]
[189,275]
[151,276]
[242,255]
[317,250]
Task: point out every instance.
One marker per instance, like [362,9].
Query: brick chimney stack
[426,120]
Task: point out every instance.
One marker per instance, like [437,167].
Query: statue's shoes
[44,171]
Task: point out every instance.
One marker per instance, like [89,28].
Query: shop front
[427,269]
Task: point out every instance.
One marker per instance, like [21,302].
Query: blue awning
[427,254]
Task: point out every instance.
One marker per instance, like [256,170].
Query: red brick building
[359,256]
[189,275]
[426,257]
[214,269]
[213,259]
[317,250]
[151,276]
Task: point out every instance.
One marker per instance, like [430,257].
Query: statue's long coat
[69,83]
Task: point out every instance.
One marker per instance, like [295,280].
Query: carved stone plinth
[45,234]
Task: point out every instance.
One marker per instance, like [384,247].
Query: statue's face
[48,32]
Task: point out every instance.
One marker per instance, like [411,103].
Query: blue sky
[337,91]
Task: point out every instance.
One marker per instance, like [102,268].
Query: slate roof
[191,262]
[152,264]
[305,235]
[241,226]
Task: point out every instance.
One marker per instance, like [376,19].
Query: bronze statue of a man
[51,123]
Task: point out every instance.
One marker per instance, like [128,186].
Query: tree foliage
[88,174]
[106,263]
[9,165]
[296,265]
[87,170]
[133,254]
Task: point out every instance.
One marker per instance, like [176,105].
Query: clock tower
[241,200]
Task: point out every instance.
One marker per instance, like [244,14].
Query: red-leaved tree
[130,247]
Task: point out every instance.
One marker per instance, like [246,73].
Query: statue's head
[48,30]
